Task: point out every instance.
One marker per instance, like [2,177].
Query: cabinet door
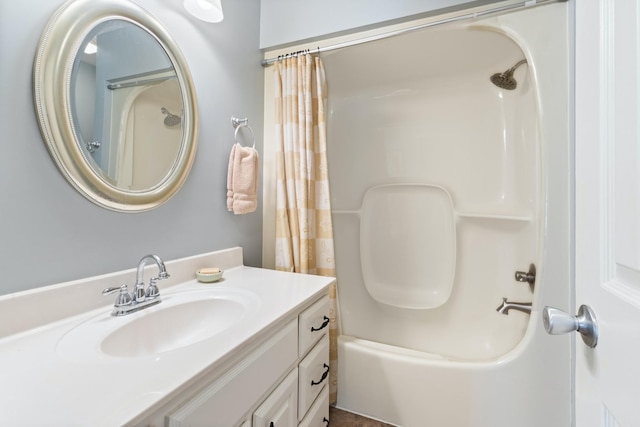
[280,409]
[225,401]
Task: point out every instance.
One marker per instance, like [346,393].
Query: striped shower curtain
[304,231]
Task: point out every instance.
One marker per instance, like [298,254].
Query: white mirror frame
[59,44]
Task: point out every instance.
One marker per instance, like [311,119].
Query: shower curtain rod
[141,82]
[466,16]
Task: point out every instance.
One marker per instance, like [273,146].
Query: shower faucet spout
[504,308]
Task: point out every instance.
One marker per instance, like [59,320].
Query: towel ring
[253,138]
[240,123]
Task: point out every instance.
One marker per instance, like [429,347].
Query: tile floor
[340,418]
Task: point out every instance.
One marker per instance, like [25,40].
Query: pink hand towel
[230,179]
[242,180]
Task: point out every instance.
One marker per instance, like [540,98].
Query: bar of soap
[209,274]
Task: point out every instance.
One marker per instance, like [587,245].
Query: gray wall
[49,233]
[285,22]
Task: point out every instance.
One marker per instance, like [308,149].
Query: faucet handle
[124,298]
[152,289]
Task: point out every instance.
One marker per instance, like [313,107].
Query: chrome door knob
[558,322]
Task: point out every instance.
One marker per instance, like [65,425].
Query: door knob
[558,322]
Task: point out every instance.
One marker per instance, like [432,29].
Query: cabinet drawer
[313,374]
[279,410]
[318,415]
[313,324]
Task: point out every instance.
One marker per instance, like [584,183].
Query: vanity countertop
[42,386]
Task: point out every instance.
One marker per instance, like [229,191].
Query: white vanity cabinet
[216,354]
[281,383]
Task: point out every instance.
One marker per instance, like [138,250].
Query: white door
[607,273]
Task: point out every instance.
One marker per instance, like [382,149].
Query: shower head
[171,119]
[506,80]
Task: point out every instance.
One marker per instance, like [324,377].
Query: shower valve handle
[558,322]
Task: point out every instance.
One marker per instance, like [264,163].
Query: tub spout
[504,308]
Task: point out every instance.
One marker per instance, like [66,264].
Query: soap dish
[209,275]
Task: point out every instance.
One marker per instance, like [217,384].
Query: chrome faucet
[139,298]
[504,308]
[139,293]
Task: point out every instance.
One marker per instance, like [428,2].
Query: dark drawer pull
[326,421]
[324,375]
[271,424]
[324,325]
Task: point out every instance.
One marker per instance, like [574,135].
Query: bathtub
[443,186]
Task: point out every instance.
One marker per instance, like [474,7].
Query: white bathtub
[443,185]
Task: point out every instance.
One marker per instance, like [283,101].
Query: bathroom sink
[173,327]
[180,320]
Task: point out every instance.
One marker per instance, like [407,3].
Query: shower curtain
[304,231]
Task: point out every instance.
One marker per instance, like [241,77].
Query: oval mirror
[115,103]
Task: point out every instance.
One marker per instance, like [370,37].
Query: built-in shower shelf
[476,216]
[346,212]
[493,217]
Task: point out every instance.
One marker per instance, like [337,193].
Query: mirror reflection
[127,106]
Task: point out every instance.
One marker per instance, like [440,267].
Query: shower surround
[443,186]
